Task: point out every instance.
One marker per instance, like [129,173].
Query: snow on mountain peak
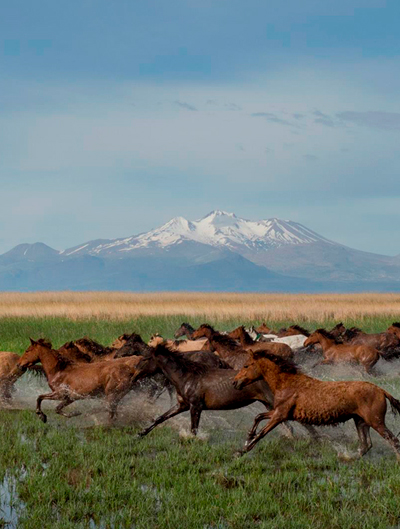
[218,228]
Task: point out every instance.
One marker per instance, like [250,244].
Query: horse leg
[363,435]
[384,431]
[55,395]
[312,431]
[195,413]
[278,415]
[323,362]
[287,427]
[175,410]
[5,391]
[260,417]
[276,418]
[66,402]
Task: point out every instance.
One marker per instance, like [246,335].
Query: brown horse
[308,400]
[333,352]
[199,387]
[280,349]
[386,342]
[74,381]
[264,329]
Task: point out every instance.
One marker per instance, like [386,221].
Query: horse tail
[394,403]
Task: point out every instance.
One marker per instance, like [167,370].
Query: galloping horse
[308,400]
[333,352]
[199,387]
[71,381]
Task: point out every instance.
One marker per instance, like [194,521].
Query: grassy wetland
[83,473]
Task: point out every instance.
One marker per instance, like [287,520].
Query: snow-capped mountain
[218,228]
[218,252]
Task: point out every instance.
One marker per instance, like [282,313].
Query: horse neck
[325,342]
[172,371]
[275,377]
[49,360]
[189,331]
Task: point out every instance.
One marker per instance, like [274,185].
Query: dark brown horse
[158,383]
[184,330]
[308,400]
[74,381]
[245,340]
[395,329]
[333,352]
[199,387]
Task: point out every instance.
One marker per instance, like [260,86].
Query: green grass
[66,476]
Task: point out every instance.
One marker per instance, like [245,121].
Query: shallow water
[11,507]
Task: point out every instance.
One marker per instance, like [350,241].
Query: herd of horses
[211,370]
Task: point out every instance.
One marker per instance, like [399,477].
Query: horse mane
[45,342]
[207,326]
[325,333]
[134,345]
[352,333]
[302,330]
[396,324]
[284,364]
[226,341]
[94,347]
[180,360]
[187,326]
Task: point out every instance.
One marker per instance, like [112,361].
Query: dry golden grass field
[215,306]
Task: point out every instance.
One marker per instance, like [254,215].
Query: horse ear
[32,341]
[256,354]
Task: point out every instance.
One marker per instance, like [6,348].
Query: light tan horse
[180,346]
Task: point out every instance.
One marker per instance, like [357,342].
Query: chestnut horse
[280,349]
[74,381]
[301,398]
[333,352]
[199,387]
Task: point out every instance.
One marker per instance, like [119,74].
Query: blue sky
[117,116]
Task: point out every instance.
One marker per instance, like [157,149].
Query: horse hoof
[141,434]
[43,417]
